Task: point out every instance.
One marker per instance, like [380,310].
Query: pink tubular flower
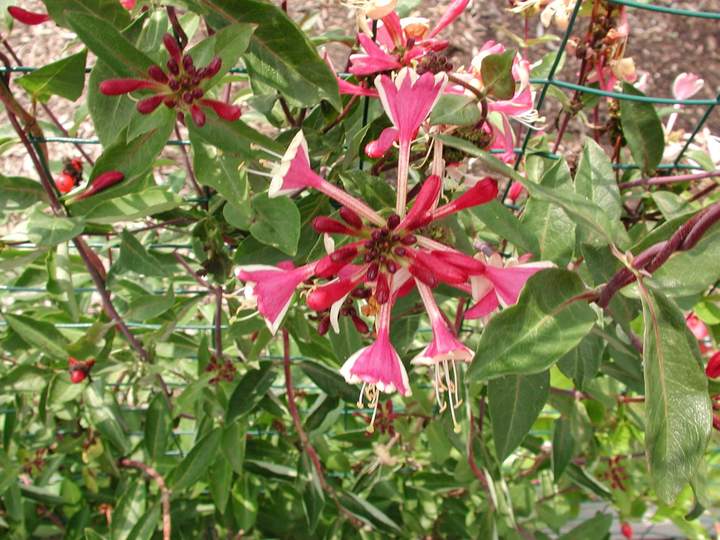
[379,147]
[441,354]
[407,101]
[180,87]
[27,17]
[375,60]
[128,4]
[294,173]
[700,331]
[378,366]
[273,288]
[500,284]
[712,369]
[686,85]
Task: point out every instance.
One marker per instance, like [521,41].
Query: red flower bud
[101,183]
[627,530]
[224,110]
[350,217]
[324,326]
[393,221]
[379,147]
[445,272]
[77,376]
[325,296]
[460,260]
[327,267]
[372,272]
[323,224]
[212,68]
[65,183]
[423,273]
[712,369]
[148,105]
[481,193]
[424,201]
[344,254]
[157,74]
[382,289]
[515,191]
[27,17]
[172,47]
[360,325]
[116,87]
[198,115]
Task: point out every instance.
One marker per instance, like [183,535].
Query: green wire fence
[544,83]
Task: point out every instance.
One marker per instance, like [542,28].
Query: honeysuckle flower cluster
[377,256]
[181,87]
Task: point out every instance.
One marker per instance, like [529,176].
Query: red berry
[627,530]
[65,183]
[77,375]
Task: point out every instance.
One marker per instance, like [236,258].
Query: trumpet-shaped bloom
[273,288]
[378,366]
[500,284]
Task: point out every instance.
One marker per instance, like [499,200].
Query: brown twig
[667,180]
[162,486]
[340,117]
[188,165]
[180,34]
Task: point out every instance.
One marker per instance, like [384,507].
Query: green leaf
[368,513]
[496,71]
[228,43]
[221,173]
[277,223]
[533,334]
[515,401]
[220,477]
[595,179]
[582,211]
[279,55]
[249,392]
[146,525]
[233,138]
[104,416]
[108,44]
[455,110]
[158,427]
[583,362]
[110,114]
[47,230]
[109,10]
[329,381]
[129,510]
[133,257]
[233,444]
[553,228]
[563,446]
[595,528]
[133,206]
[677,407]
[39,334]
[64,78]
[195,465]
[503,222]
[148,307]
[642,129]
[17,192]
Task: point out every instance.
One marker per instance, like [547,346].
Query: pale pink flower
[273,288]
[500,284]
[407,101]
[686,85]
[441,354]
[378,366]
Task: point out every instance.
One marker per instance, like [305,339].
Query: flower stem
[350,202]
[402,178]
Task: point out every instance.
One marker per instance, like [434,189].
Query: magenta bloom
[500,285]
[24,16]
[378,366]
[407,101]
[712,369]
[375,60]
[180,87]
[273,288]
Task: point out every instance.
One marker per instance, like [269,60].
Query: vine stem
[188,165]
[162,486]
[304,439]
[667,180]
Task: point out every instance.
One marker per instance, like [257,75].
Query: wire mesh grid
[544,83]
